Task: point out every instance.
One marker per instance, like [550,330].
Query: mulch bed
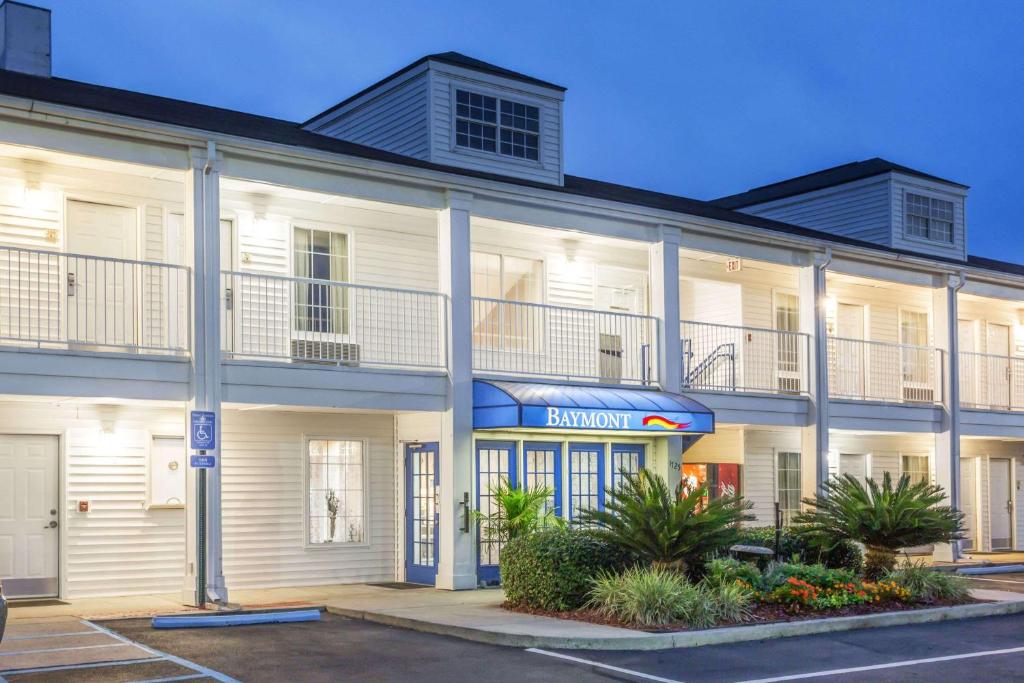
[761,614]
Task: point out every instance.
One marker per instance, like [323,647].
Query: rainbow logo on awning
[664,422]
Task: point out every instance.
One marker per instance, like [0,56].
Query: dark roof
[819,180]
[453,58]
[279,131]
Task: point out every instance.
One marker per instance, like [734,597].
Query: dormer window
[929,218]
[477,125]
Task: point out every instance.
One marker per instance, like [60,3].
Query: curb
[681,639]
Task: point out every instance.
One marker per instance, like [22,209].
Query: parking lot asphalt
[340,649]
[1001,582]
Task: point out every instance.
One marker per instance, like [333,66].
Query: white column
[664,263]
[947,439]
[456,568]
[814,437]
[202,218]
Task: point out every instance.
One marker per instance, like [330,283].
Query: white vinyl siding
[264,492]
[858,209]
[394,120]
[956,246]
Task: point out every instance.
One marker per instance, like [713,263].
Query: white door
[28,515]
[789,349]
[849,357]
[855,464]
[968,502]
[622,351]
[102,304]
[997,348]
[970,365]
[1000,503]
[915,357]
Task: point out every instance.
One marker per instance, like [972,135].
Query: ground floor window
[788,469]
[719,479]
[336,486]
[915,466]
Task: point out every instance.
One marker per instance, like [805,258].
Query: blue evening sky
[694,98]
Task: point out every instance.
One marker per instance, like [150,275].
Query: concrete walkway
[478,616]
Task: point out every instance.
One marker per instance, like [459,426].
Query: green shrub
[883,516]
[655,596]
[667,529]
[816,575]
[927,585]
[552,569]
[805,549]
[724,571]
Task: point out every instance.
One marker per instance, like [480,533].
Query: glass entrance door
[495,461]
[421,513]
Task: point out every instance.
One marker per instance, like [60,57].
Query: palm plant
[883,517]
[667,531]
[516,512]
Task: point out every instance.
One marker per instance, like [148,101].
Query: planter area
[659,561]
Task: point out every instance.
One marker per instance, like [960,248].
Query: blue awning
[501,405]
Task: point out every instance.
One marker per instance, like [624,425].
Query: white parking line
[600,665]
[210,673]
[88,665]
[58,649]
[186,677]
[890,665]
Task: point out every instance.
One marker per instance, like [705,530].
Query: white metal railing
[733,358]
[881,371]
[51,299]
[991,381]
[568,343]
[305,320]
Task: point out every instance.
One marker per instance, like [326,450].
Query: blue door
[421,513]
[626,457]
[495,460]
[542,466]
[586,477]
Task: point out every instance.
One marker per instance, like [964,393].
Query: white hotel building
[393,303]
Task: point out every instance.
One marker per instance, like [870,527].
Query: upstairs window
[929,218]
[478,126]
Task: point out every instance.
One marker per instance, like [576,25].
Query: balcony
[322,322]
[886,372]
[991,382]
[53,300]
[556,342]
[743,359]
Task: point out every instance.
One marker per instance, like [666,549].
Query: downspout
[954,400]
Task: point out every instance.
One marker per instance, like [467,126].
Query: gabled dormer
[454,110]
[874,201]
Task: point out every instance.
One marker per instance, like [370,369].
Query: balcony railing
[991,381]
[538,340]
[303,320]
[732,358]
[69,301]
[879,371]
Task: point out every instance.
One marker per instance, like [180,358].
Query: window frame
[927,237]
[799,488]
[350,261]
[502,346]
[499,97]
[367,529]
[920,456]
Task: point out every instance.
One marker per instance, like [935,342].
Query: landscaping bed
[759,614]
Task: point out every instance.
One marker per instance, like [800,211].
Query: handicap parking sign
[203,461]
[203,430]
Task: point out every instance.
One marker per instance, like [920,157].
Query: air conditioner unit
[325,352]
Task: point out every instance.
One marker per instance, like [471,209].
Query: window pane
[336,492]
